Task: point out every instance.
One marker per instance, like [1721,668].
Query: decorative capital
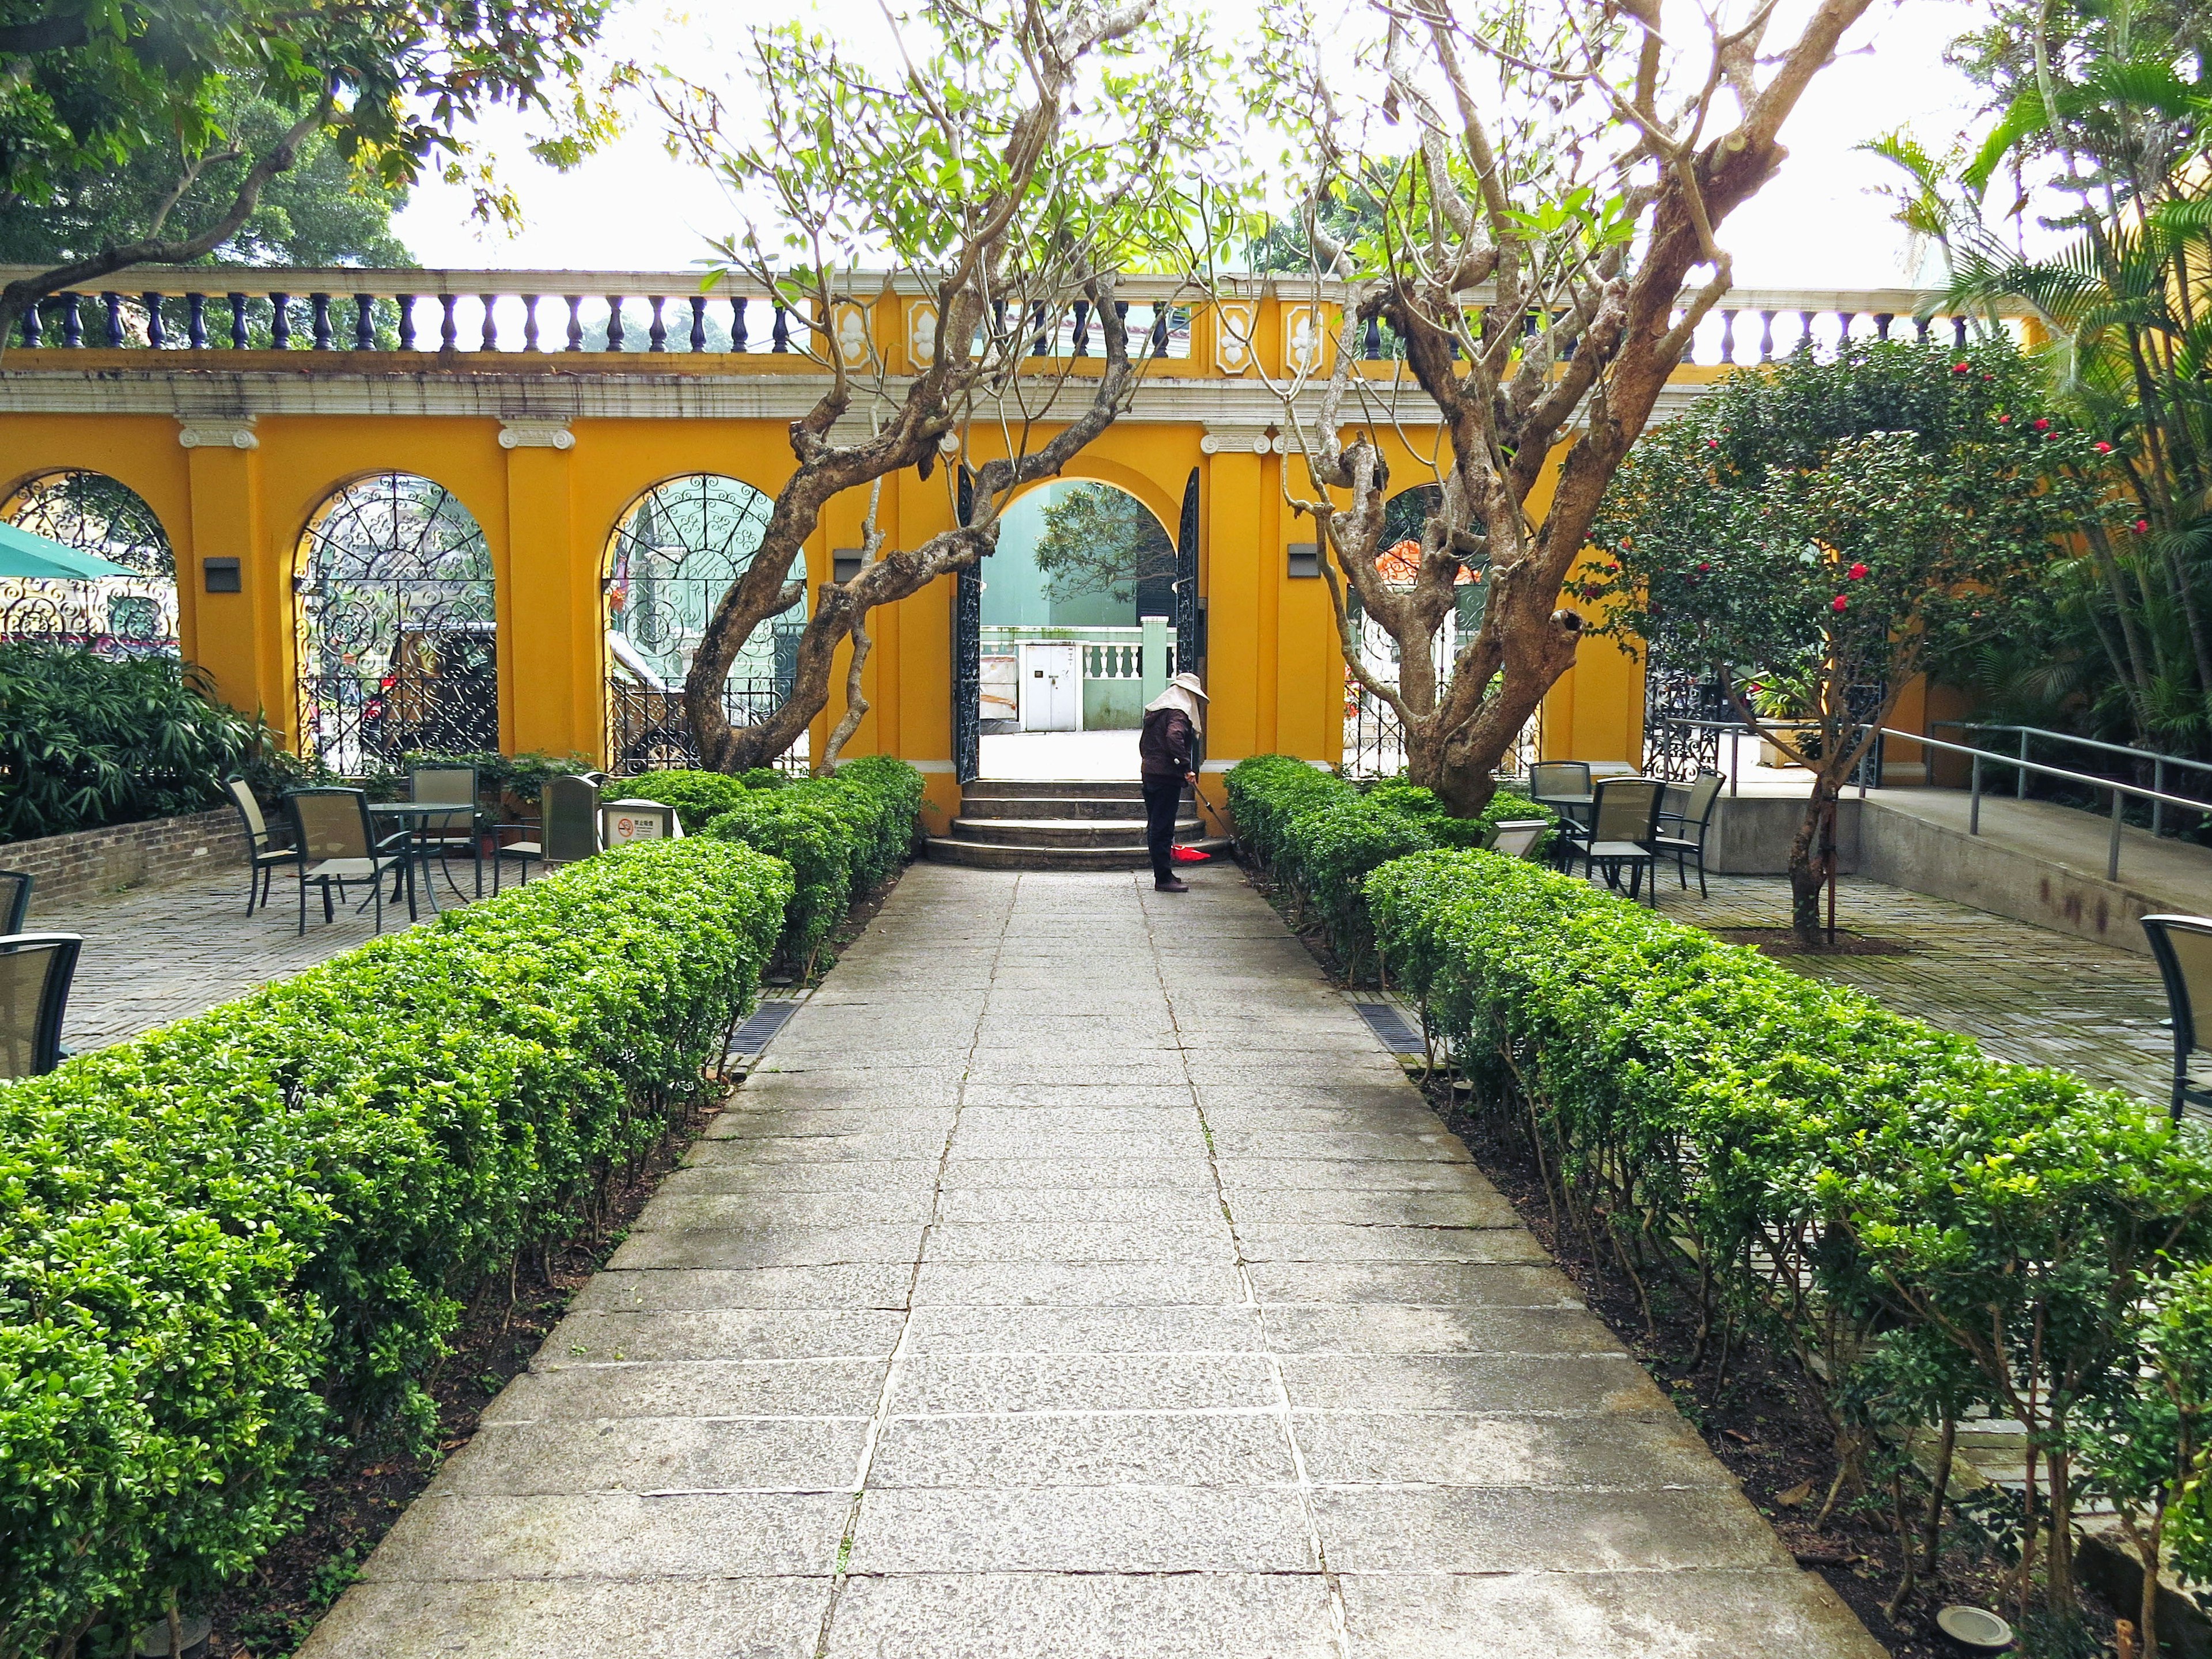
[535,431]
[1224,440]
[216,432]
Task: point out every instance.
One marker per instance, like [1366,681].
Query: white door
[1052,688]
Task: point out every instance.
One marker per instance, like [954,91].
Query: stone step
[1059,806]
[989,855]
[1034,789]
[1065,832]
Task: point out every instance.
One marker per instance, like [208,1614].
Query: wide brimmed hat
[1189,683]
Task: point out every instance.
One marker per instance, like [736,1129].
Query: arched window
[399,643]
[674,553]
[115,615]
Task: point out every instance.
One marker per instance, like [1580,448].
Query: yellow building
[459,409]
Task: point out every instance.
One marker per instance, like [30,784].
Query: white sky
[1818,225]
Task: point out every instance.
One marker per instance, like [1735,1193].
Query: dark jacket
[1168,746]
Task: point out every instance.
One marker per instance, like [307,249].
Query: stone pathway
[154,954]
[1080,1279]
[2025,993]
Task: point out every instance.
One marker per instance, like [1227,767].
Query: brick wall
[207,846]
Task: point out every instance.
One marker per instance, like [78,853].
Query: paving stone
[1122,1173]
[705,1245]
[1265,1175]
[1460,1209]
[1439,1449]
[1527,1529]
[1094,1283]
[1382,1329]
[1272,1241]
[1692,1615]
[1040,1204]
[1084,1330]
[1127,1448]
[1440,1284]
[721,1333]
[1109,1616]
[695,1204]
[970,1382]
[1529,1385]
[612,1535]
[852,1285]
[1085,1241]
[578,1391]
[657,1454]
[658,1619]
[1082,1529]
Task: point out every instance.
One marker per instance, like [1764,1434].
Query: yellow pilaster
[547,582]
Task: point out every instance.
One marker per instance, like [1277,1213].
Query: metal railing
[2122,792]
[2158,762]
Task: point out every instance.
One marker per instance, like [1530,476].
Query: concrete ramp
[2032,861]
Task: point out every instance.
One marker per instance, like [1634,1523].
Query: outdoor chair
[435,783]
[567,829]
[1562,785]
[336,845]
[1517,838]
[14,900]
[263,857]
[1686,814]
[1623,822]
[35,971]
[2183,946]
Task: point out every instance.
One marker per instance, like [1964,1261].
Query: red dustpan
[1187,855]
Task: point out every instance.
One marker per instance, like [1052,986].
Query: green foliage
[88,740]
[1930,1230]
[1098,539]
[698,797]
[1321,836]
[842,836]
[223,1240]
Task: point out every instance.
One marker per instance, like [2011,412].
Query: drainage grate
[763,1023]
[1390,1028]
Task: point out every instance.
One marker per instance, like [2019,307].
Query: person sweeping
[1167,759]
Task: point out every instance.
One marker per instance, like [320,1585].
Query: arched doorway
[398,637]
[675,552]
[1060,609]
[133,615]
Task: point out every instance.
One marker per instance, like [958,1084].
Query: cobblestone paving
[1079,1279]
[154,954]
[2026,994]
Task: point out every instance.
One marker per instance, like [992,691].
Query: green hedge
[1320,834]
[842,836]
[697,796]
[1931,1231]
[224,1240]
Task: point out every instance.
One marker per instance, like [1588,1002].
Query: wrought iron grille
[115,615]
[1673,697]
[399,642]
[675,554]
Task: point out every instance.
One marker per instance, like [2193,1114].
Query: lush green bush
[86,740]
[222,1241]
[1321,833]
[842,836]
[1930,1230]
[699,798]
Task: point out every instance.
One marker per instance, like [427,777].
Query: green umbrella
[23,554]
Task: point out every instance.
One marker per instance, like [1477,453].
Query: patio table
[411,815]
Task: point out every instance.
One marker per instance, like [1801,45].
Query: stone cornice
[216,432]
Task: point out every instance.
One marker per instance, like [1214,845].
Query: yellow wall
[548,513]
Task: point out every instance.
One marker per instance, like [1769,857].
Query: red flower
[1712,443]
[1857,573]
[1839,605]
[1705,567]
[2043,426]
[1961,368]
[2104,448]
[2004,420]
[2142,524]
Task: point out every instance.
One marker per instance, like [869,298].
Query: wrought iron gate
[1190,645]
[679,548]
[399,642]
[1673,698]
[131,616]
[967,655]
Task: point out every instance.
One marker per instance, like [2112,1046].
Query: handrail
[2158,762]
[2120,791]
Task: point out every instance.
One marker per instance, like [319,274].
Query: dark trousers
[1163,798]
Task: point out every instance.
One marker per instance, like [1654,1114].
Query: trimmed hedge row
[223,1241]
[699,797]
[1320,834]
[1932,1231]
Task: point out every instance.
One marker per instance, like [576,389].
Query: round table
[410,815]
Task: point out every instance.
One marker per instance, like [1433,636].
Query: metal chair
[35,971]
[1517,838]
[15,899]
[1685,815]
[331,828]
[436,783]
[263,856]
[1623,822]
[1563,786]
[567,829]
[2183,946]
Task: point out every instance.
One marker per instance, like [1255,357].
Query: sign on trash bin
[624,821]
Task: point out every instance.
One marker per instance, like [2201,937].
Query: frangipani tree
[1527,194]
[1840,524]
[1008,161]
